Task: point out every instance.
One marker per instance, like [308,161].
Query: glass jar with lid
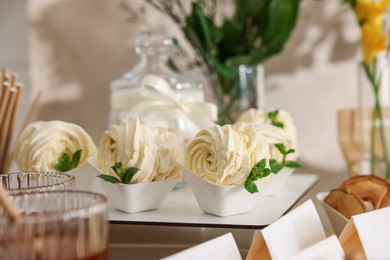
[155,50]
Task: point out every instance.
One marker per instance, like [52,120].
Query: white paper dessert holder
[132,198]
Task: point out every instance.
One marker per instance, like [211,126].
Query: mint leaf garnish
[118,169]
[125,176]
[273,117]
[109,178]
[129,174]
[250,186]
[256,170]
[67,162]
[281,148]
[75,159]
[275,166]
[260,170]
[292,164]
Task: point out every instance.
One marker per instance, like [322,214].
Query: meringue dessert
[224,155]
[270,117]
[42,143]
[275,135]
[152,150]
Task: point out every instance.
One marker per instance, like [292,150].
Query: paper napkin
[288,236]
[222,247]
[329,248]
[368,234]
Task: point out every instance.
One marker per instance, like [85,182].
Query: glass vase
[374,102]
[365,131]
[237,94]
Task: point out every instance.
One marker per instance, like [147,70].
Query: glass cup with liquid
[55,225]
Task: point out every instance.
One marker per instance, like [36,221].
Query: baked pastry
[366,192]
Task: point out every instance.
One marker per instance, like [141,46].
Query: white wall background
[72,49]
[13,46]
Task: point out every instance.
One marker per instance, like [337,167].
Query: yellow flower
[370,14]
[370,9]
[374,40]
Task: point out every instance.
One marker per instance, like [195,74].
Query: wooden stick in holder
[11,128]
[4,99]
[29,118]
[4,76]
[6,85]
[9,101]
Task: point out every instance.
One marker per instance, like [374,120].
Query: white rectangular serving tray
[181,209]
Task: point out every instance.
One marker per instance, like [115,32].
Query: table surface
[152,241]
[181,209]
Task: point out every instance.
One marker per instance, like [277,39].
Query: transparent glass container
[364,131]
[155,51]
[56,225]
[374,117]
[26,182]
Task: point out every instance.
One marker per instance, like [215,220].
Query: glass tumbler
[55,225]
[36,181]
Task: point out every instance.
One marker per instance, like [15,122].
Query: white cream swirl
[138,145]
[260,116]
[253,115]
[166,165]
[219,155]
[41,144]
[257,145]
[275,135]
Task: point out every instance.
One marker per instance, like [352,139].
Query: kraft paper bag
[368,235]
[329,248]
[288,236]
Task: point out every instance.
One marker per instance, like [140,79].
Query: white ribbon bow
[157,93]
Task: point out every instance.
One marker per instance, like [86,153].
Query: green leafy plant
[125,175]
[255,31]
[260,170]
[67,162]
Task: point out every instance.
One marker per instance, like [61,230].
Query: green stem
[377,114]
[371,78]
[383,134]
[216,86]
[372,142]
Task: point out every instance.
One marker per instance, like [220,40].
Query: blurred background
[73,49]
